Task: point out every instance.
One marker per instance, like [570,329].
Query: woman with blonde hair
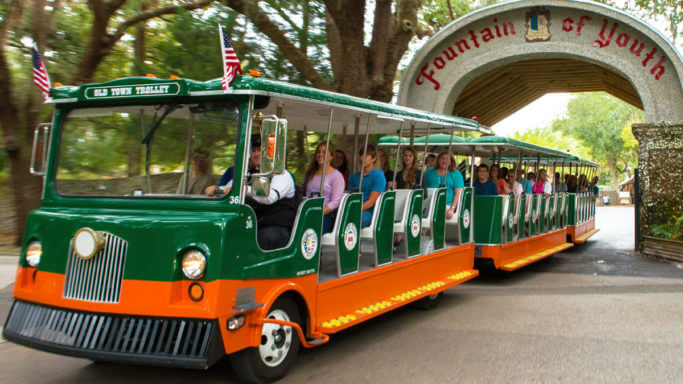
[445,175]
[334,185]
[409,176]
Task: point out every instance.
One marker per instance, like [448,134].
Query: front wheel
[279,346]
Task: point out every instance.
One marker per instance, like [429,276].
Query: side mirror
[273,145]
[41,139]
[260,184]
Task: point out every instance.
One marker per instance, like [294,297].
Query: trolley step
[347,320]
[515,265]
[582,239]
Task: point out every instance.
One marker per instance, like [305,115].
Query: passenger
[383,165]
[502,182]
[229,175]
[275,213]
[514,184]
[596,189]
[494,171]
[530,180]
[200,177]
[542,186]
[430,160]
[409,176]
[444,175]
[374,183]
[484,186]
[572,184]
[583,183]
[333,190]
[342,165]
[558,184]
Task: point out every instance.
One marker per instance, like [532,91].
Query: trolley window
[146,151]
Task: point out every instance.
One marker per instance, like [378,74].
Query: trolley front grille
[97,279]
[122,338]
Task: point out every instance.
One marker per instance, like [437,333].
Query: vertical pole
[412,135]
[327,147]
[356,132]
[398,153]
[188,152]
[424,163]
[365,153]
[472,169]
[246,149]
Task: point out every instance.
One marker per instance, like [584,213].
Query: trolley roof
[484,146]
[304,107]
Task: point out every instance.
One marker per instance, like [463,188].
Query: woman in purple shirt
[333,189]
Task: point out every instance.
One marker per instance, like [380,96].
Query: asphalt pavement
[598,312]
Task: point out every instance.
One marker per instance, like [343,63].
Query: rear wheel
[279,346]
[429,302]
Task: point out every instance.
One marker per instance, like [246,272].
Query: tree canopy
[598,121]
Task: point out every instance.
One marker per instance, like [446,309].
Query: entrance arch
[494,61]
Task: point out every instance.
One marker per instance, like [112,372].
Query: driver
[275,213]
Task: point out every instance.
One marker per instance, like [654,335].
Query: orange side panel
[583,229]
[510,252]
[347,294]
[170,299]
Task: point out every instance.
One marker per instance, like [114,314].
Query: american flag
[231,64]
[40,74]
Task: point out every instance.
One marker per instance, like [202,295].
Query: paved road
[597,313]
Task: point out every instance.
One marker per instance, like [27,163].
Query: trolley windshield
[146,151]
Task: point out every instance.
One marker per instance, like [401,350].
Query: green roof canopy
[573,160]
[304,107]
[438,139]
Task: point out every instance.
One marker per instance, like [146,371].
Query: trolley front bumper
[170,342]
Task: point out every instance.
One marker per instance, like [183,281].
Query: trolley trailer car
[123,262]
[510,231]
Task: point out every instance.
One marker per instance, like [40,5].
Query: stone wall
[660,160]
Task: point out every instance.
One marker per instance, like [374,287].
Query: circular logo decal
[309,244]
[415,225]
[350,236]
[466,218]
[510,221]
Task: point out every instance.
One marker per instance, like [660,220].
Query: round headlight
[33,253]
[194,264]
[87,243]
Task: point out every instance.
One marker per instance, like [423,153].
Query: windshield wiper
[148,140]
[157,123]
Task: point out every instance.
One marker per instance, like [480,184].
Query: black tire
[259,364]
[429,302]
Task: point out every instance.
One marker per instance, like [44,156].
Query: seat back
[347,235]
[381,229]
[412,226]
[402,200]
[453,224]
[435,216]
[466,215]
[508,222]
[520,221]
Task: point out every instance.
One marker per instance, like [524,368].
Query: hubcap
[276,340]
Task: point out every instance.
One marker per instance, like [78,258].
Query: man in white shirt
[275,213]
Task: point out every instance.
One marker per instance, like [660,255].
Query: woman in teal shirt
[444,175]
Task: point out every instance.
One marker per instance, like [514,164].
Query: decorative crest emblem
[309,244]
[537,25]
